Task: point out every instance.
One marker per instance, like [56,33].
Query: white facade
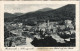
[69,24]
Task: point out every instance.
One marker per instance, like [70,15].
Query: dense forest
[63,13]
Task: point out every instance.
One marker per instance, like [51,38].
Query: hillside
[8,15]
[63,13]
[45,9]
[18,14]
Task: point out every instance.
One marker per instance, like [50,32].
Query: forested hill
[63,13]
[8,15]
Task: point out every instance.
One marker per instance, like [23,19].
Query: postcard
[39,26]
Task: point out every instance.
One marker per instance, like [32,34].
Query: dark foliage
[63,13]
[50,42]
[7,33]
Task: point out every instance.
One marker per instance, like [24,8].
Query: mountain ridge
[65,12]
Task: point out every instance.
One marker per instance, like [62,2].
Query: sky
[25,8]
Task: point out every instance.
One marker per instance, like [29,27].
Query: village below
[49,28]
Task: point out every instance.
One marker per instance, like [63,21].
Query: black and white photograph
[39,25]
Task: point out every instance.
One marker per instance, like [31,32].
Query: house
[17,32]
[62,27]
[68,23]
[42,26]
[72,31]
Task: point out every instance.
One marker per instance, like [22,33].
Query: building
[17,32]
[68,23]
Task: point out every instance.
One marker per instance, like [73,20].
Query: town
[60,33]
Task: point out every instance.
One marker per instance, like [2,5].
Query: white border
[36,48]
